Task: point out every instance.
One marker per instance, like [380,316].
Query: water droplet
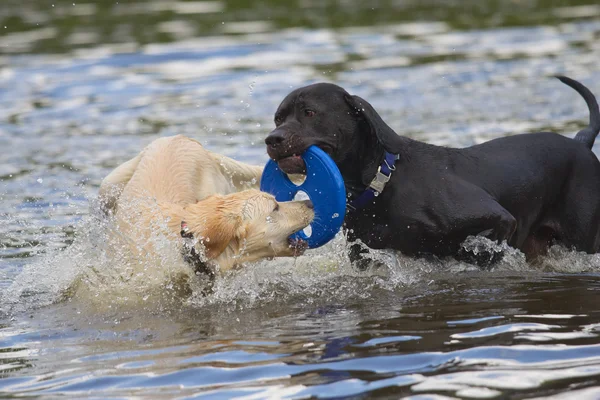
[335,215]
[376,194]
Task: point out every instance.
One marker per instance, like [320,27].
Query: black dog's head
[346,127]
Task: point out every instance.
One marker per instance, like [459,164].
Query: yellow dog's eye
[276,208]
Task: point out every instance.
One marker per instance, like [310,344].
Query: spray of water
[105,270]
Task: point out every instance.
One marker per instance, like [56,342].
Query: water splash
[102,270]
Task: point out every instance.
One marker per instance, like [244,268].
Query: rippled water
[84,87]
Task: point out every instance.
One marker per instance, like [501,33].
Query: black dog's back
[535,162]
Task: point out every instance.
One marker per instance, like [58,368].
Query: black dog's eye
[278,120]
[309,113]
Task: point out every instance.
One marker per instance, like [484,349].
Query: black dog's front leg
[356,254]
[377,238]
[496,224]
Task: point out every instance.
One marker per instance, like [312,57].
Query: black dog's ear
[384,134]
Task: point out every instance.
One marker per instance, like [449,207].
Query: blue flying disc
[324,186]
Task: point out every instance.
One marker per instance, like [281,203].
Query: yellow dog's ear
[220,231]
[215,224]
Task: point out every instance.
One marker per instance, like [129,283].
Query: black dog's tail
[588,135]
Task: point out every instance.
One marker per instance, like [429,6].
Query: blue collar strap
[384,173]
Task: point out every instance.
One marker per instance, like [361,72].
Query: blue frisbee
[323,185]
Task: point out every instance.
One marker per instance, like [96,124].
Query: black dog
[531,190]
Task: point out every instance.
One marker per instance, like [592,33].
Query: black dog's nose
[309,204]
[275,138]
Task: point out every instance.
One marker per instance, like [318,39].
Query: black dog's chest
[364,229]
[364,221]
[371,225]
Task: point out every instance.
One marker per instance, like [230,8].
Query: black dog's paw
[360,258]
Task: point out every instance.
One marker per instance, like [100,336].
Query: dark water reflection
[61,26]
[84,87]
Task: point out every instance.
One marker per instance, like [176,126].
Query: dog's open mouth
[293,164]
[299,245]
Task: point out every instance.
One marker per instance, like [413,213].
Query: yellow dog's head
[247,226]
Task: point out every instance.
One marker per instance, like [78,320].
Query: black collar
[383,175]
[191,256]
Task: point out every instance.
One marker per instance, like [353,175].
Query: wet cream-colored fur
[175,179]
